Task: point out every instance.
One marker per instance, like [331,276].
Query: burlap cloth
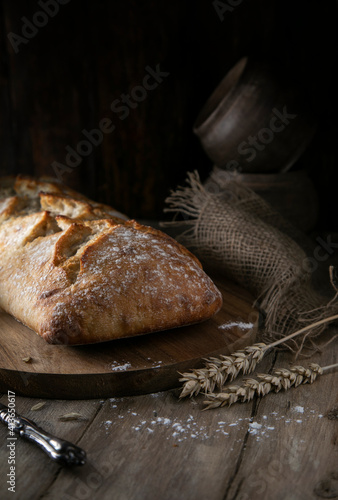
[235,232]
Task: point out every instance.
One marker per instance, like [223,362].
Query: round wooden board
[138,365]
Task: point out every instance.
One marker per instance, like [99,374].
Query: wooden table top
[283,446]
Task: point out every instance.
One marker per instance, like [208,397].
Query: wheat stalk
[280,379]
[218,370]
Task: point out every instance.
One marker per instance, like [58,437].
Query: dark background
[65,78]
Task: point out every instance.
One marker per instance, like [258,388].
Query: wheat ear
[280,379]
[218,370]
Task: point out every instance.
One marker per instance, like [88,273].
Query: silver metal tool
[57,449]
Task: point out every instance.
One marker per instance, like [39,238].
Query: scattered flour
[155,364]
[254,427]
[238,324]
[298,409]
[107,424]
[178,430]
[119,368]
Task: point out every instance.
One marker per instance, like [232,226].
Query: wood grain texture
[301,453]
[137,365]
[66,77]
[156,446]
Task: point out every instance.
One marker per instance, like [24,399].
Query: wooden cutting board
[139,365]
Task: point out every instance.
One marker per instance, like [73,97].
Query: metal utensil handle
[59,450]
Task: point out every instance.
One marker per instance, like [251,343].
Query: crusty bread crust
[77,272]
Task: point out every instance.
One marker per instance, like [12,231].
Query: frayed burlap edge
[287,299]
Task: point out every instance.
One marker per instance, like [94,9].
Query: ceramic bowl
[252,123]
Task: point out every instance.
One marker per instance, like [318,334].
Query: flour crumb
[299,409]
[108,424]
[119,368]
[240,324]
[254,427]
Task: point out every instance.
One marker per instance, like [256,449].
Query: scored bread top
[78,272]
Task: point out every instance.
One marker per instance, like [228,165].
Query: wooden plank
[35,472]
[152,136]
[139,454]
[65,79]
[293,454]
[7,157]
[156,446]
[49,106]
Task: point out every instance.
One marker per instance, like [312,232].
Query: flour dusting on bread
[76,272]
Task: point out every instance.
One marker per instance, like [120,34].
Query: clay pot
[252,122]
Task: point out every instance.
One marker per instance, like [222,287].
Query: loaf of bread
[78,272]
